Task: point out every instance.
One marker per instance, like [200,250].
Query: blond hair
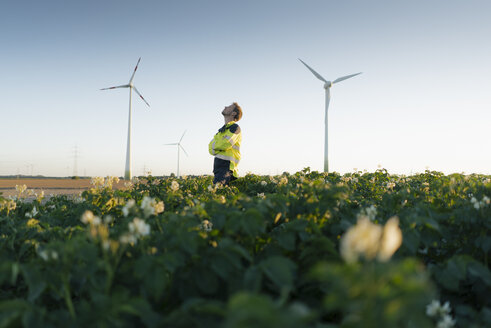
[237,112]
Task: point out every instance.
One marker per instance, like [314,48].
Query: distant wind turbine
[178,144]
[127,169]
[327,87]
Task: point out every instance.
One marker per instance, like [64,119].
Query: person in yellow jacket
[225,146]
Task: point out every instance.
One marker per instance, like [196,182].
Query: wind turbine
[127,169]
[327,87]
[178,144]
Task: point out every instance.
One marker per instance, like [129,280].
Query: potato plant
[307,249]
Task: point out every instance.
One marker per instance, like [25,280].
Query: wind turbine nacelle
[327,85]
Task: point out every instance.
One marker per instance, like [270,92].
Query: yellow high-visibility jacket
[226,145]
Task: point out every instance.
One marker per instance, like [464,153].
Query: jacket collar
[225,126]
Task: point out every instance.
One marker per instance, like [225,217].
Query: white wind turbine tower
[178,144]
[131,86]
[327,87]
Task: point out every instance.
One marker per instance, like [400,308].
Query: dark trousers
[222,172]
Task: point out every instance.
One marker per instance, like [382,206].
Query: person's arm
[232,136]
[224,141]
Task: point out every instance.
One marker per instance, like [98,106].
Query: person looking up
[225,146]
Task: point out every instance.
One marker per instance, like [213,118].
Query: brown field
[49,186]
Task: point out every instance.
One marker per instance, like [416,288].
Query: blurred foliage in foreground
[302,250]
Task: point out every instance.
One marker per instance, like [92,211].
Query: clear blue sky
[423,100]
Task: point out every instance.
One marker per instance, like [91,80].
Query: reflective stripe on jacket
[226,145]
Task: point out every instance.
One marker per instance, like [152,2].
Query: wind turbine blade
[183,150]
[119,86]
[345,77]
[317,75]
[136,67]
[171,144]
[136,90]
[182,136]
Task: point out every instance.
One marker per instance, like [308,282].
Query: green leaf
[221,266]
[286,240]
[11,310]
[253,279]
[411,240]
[279,270]
[477,269]
[142,308]
[252,223]
[485,243]
[35,281]
[206,281]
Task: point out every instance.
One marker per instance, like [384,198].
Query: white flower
[128,206]
[108,219]
[433,308]
[370,212]
[138,227]
[89,218]
[32,213]
[97,181]
[174,186]
[264,183]
[106,244]
[283,181]
[39,196]
[159,207]
[346,179]
[210,188]
[206,225]
[445,309]
[44,255]
[480,204]
[436,309]
[20,189]
[128,239]
[261,195]
[151,207]
[96,221]
[108,183]
[391,239]
[361,239]
[147,206]
[370,240]
[47,255]
[446,322]
[390,185]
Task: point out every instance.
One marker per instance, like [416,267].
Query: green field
[297,250]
